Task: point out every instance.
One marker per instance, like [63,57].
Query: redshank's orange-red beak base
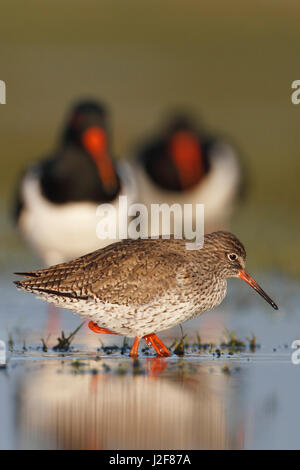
[247,278]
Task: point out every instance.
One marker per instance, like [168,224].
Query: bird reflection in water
[150,404]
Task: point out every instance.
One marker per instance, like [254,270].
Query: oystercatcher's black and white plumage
[183,165]
[57,197]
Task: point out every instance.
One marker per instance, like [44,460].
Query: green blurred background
[231,63]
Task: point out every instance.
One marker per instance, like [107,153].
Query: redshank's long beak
[247,278]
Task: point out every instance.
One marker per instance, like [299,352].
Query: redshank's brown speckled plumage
[139,287]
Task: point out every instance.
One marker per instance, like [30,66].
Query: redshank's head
[88,128]
[230,257]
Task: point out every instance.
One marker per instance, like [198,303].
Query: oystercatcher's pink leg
[135,347]
[98,329]
[157,344]
[53,324]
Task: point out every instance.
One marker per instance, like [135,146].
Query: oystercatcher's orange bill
[187,155]
[247,278]
[95,142]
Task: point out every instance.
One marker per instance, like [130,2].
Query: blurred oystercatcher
[186,166]
[57,198]
[140,287]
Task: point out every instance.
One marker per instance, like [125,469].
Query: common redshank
[185,165]
[57,198]
[139,287]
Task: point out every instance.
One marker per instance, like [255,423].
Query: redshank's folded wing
[115,274]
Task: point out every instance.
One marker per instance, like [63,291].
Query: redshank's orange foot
[157,344]
[98,329]
[135,347]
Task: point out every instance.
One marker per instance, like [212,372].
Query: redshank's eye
[232,256]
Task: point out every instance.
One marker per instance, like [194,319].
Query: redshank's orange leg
[157,344]
[135,347]
[98,329]
[162,347]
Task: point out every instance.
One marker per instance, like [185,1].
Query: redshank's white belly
[140,320]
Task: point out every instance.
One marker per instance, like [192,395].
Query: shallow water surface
[183,403]
[216,396]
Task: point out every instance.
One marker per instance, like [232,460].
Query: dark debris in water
[44,345]
[230,346]
[109,350]
[182,347]
[125,346]
[179,345]
[10,343]
[252,343]
[233,343]
[64,342]
[229,371]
